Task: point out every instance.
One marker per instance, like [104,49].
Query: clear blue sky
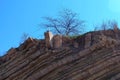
[23,16]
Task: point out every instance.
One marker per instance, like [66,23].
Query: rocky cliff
[92,56]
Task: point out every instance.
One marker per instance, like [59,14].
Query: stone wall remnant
[48,39]
[57,41]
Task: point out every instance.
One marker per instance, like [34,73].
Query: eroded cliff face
[92,56]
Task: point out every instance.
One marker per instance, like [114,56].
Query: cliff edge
[92,56]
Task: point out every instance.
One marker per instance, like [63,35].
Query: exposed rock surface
[57,41]
[48,39]
[32,61]
[88,40]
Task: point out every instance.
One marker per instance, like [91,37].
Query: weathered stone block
[48,39]
[57,41]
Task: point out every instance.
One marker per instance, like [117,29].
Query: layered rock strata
[32,61]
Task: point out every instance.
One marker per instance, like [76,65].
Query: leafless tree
[24,37]
[66,23]
[104,26]
[96,27]
[111,24]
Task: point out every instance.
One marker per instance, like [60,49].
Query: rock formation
[48,39]
[32,61]
[57,41]
[87,40]
[53,41]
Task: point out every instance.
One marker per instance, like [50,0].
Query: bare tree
[24,37]
[66,23]
[96,27]
[104,26]
[111,24]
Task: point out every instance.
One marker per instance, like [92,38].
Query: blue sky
[23,16]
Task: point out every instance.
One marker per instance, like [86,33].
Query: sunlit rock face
[70,61]
[48,39]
